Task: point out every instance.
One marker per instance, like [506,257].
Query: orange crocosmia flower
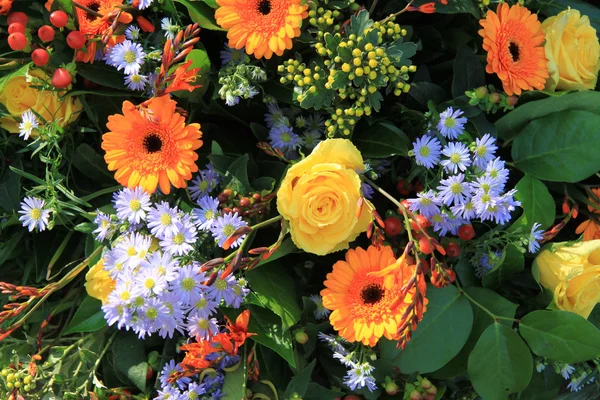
[590,228]
[363,291]
[427,8]
[5,6]
[513,39]
[145,24]
[182,77]
[264,27]
[195,357]
[92,26]
[150,146]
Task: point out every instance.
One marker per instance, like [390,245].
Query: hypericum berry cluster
[17,379]
[352,68]
[490,101]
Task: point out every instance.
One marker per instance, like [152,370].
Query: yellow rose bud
[572,272]
[319,197]
[98,282]
[573,51]
[18,96]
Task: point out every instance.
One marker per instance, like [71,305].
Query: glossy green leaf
[561,336]
[468,72]
[102,74]
[500,363]
[88,317]
[234,385]
[130,359]
[274,289]
[543,386]
[91,164]
[10,188]
[512,263]
[318,392]
[537,203]
[382,139]
[299,383]
[201,13]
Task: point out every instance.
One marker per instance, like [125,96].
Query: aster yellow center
[486,198]
[36,213]
[437,218]
[27,126]
[286,138]
[456,188]
[455,158]
[203,185]
[220,284]
[135,205]
[166,219]
[424,151]
[152,313]
[179,238]
[425,201]
[104,223]
[493,173]
[125,295]
[187,284]
[130,56]
[203,324]
[209,214]
[131,251]
[228,230]
[481,151]
[201,303]
[136,78]
[149,283]
[449,122]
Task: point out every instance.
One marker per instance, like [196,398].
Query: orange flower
[427,8]
[5,6]
[590,228]
[150,145]
[366,304]
[182,78]
[264,27]
[514,39]
[144,24]
[92,26]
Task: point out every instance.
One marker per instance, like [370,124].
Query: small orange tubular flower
[590,228]
[513,39]
[366,304]
[264,27]
[145,24]
[151,146]
[182,77]
[5,6]
[427,8]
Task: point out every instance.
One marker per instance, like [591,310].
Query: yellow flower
[573,51]
[18,96]
[572,272]
[98,282]
[319,197]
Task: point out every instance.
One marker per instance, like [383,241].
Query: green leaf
[561,335]
[286,247]
[102,74]
[239,171]
[91,164]
[88,317]
[512,263]
[382,139]
[468,72]
[10,188]
[537,203]
[500,363]
[260,132]
[202,14]
[234,386]
[499,306]
[130,359]
[211,3]
[543,386]
[318,392]
[515,121]
[274,289]
[441,334]
[562,147]
[299,383]
[360,22]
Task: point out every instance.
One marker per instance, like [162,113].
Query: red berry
[301,337]
[46,33]
[423,222]
[403,188]
[16,27]
[40,57]
[244,202]
[61,78]
[512,100]
[59,18]
[393,226]
[453,249]
[419,187]
[76,40]
[406,204]
[391,388]
[466,232]
[18,17]
[149,373]
[424,246]
[17,41]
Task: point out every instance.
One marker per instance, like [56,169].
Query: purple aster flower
[202,328]
[161,220]
[225,226]
[144,4]
[105,226]
[360,376]
[232,55]
[465,210]
[132,33]
[275,116]
[451,123]
[188,284]
[487,184]
[240,291]
[170,368]
[168,393]
[223,289]
[366,190]
[136,81]
[132,204]
[496,170]
[174,319]
[426,203]
[204,307]
[150,281]
[205,182]
[34,214]
[132,249]
[458,157]
[484,150]
[127,56]
[321,312]
[205,216]
[181,242]
[427,151]
[453,190]
[154,314]
[282,137]
[163,263]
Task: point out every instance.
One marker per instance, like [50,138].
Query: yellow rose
[98,282]
[572,272]
[319,197]
[572,50]
[18,96]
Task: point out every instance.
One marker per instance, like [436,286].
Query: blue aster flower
[282,137]
[535,237]
[171,368]
[232,55]
[206,214]
[487,184]
[457,157]
[465,210]
[274,116]
[225,226]
[163,263]
[174,320]
[105,226]
[427,204]
[451,123]
[204,183]
[427,151]
[202,328]
[487,262]
[127,56]
[360,376]
[204,307]
[132,33]
[496,170]
[453,190]
[181,241]
[136,81]
[311,139]
[132,204]
[223,289]
[162,219]
[366,190]
[144,4]
[132,249]
[321,312]
[154,314]
[188,285]
[35,215]
[484,151]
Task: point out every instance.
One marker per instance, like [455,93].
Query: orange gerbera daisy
[590,228]
[150,145]
[513,39]
[263,26]
[366,305]
[92,26]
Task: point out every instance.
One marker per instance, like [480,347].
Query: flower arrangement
[299,199]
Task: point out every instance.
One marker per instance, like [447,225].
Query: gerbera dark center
[264,7]
[94,7]
[372,294]
[152,143]
[513,49]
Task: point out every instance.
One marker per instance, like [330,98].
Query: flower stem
[88,10]
[495,317]
[405,9]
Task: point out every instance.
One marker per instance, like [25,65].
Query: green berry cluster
[490,101]
[16,379]
[352,67]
